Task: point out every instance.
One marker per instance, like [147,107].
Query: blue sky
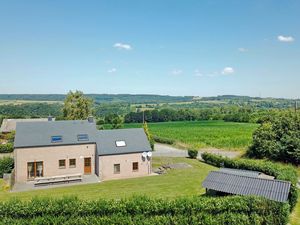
[202,48]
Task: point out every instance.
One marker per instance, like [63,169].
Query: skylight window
[82,137]
[120,143]
[55,139]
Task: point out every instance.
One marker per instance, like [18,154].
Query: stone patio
[29,186]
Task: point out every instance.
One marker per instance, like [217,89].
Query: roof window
[120,143]
[55,139]
[82,137]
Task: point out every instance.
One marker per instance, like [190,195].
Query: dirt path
[170,151]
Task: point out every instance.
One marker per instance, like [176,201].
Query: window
[135,166]
[72,163]
[35,169]
[120,143]
[82,137]
[62,164]
[117,168]
[55,139]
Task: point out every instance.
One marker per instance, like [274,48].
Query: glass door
[35,169]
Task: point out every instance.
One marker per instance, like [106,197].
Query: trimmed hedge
[279,171]
[6,165]
[163,140]
[233,210]
[7,148]
[193,153]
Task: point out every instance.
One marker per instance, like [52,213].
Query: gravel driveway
[170,151]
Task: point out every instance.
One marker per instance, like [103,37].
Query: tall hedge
[235,210]
[6,165]
[6,148]
[279,171]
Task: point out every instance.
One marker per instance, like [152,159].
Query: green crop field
[204,134]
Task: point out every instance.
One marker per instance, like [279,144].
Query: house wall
[50,157]
[106,166]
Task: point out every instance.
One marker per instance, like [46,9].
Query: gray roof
[276,190]
[33,134]
[9,125]
[135,139]
[38,134]
[248,173]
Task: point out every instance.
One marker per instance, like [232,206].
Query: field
[20,102]
[179,182]
[204,134]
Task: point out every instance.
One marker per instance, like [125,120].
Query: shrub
[6,148]
[143,210]
[193,153]
[6,165]
[278,139]
[163,140]
[279,171]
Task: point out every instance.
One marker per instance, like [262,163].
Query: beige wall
[50,157]
[106,166]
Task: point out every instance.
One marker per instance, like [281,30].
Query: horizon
[174,48]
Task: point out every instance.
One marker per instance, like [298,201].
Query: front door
[87,165]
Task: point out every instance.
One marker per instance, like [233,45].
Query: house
[246,182]
[57,148]
[9,125]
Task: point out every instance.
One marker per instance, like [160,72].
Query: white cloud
[122,46]
[176,72]
[198,73]
[242,50]
[285,38]
[227,71]
[112,70]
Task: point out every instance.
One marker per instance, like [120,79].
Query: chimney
[90,119]
[50,118]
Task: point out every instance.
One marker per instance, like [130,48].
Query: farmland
[204,134]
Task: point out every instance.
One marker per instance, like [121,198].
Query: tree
[77,106]
[117,122]
[149,136]
[278,139]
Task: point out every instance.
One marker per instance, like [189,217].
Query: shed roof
[249,173]
[276,190]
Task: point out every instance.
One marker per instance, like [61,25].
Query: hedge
[143,210]
[6,148]
[163,140]
[193,153]
[278,170]
[6,165]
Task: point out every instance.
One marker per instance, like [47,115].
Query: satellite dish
[144,154]
[149,154]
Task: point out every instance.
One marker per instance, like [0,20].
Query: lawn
[295,216]
[179,182]
[204,134]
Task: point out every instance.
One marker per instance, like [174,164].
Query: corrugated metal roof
[248,173]
[276,190]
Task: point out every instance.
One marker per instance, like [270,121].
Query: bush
[163,140]
[6,148]
[279,171]
[6,165]
[278,139]
[193,153]
[234,210]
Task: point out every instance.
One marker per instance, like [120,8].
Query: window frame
[82,137]
[133,166]
[61,167]
[56,138]
[117,165]
[72,166]
[120,143]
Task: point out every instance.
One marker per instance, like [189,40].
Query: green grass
[179,182]
[295,216]
[204,134]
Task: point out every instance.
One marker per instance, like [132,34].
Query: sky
[169,47]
